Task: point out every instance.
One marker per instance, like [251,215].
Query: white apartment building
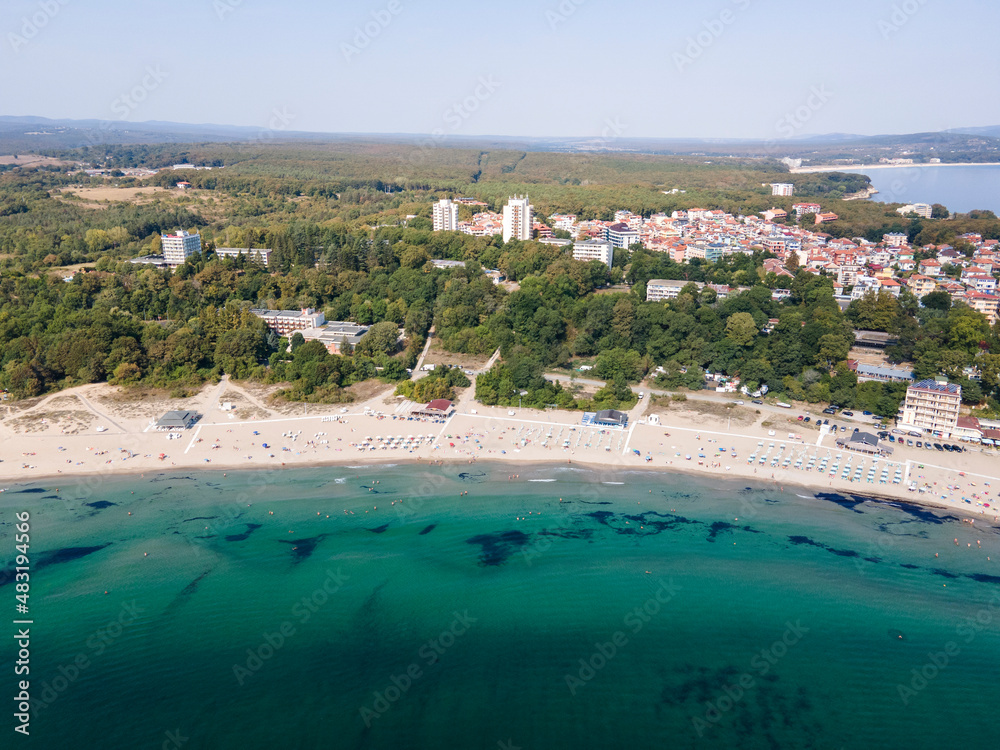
[806,208]
[259,255]
[932,406]
[848,273]
[621,235]
[923,210]
[177,248]
[594,250]
[288,321]
[658,290]
[517,219]
[894,239]
[782,188]
[445,216]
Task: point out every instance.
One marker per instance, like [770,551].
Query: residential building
[806,208]
[621,235]
[891,285]
[864,285]
[517,219]
[932,406]
[715,251]
[658,290]
[177,248]
[921,285]
[782,188]
[824,218]
[259,255]
[594,250]
[894,239]
[445,213]
[555,241]
[774,214]
[984,303]
[563,221]
[929,267]
[284,322]
[923,210]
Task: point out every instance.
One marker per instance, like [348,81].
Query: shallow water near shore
[384,608]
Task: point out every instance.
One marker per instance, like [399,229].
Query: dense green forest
[350,234]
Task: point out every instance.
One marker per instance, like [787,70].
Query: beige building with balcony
[932,406]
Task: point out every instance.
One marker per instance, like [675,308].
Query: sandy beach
[94,431]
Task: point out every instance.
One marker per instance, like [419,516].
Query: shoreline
[783,484]
[699,439]
[855,167]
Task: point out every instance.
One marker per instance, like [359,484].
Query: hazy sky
[724,68]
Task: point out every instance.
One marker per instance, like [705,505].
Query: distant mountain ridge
[29,133]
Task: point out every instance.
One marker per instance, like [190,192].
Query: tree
[876,311]
[939,212]
[381,338]
[127,373]
[833,348]
[97,240]
[936,301]
[297,340]
[741,329]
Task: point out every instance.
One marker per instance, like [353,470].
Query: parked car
[867,413]
[909,443]
[830,410]
[937,447]
[800,417]
[892,438]
[920,444]
[738,403]
[927,447]
[947,447]
[756,401]
[848,413]
[914,433]
[806,419]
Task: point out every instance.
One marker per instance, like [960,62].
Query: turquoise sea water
[406,614]
[960,189]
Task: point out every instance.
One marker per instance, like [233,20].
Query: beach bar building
[439,407]
[864,442]
[177,420]
[611,418]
